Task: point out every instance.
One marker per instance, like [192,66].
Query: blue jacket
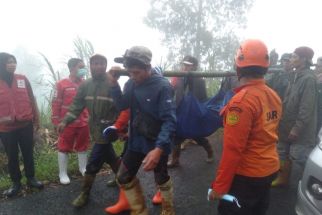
[154,97]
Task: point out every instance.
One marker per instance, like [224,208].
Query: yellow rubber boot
[82,198]
[157,198]
[283,175]
[134,195]
[167,198]
[121,205]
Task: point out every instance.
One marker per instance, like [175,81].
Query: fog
[49,27]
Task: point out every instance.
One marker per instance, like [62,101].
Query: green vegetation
[46,164]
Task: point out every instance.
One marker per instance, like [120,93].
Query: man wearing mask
[94,95]
[149,97]
[182,87]
[19,117]
[297,130]
[75,136]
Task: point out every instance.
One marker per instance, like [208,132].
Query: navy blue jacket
[155,97]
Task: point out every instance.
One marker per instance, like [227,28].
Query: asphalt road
[191,182]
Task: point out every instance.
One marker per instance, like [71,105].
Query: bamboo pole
[207,74]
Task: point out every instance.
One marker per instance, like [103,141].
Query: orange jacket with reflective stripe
[251,121]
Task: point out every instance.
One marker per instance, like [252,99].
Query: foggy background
[44,34]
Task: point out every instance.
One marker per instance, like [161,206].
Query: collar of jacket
[250,83]
[101,79]
[153,79]
[75,80]
[301,72]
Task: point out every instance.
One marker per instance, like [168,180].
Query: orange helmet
[252,53]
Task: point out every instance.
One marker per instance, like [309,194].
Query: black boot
[34,183]
[13,190]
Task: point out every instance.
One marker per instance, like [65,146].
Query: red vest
[65,92]
[15,103]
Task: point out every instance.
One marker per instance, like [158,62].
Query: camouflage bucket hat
[139,53]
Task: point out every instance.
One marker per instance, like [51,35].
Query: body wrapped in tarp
[201,119]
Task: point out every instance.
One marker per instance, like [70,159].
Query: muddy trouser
[202,141]
[253,195]
[100,154]
[20,138]
[131,163]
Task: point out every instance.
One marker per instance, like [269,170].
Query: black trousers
[100,154]
[21,138]
[253,195]
[130,165]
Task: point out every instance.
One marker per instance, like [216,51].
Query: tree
[83,49]
[203,28]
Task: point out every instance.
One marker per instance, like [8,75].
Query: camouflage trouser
[297,152]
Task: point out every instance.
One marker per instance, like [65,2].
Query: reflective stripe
[55,117]
[104,98]
[71,115]
[89,98]
[5,118]
[65,106]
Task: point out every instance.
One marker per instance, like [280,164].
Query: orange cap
[252,53]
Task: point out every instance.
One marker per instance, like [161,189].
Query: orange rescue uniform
[251,121]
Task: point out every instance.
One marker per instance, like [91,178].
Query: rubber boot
[157,198]
[62,164]
[82,198]
[120,206]
[210,152]
[82,161]
[175,156]
[134,195]
[167,198]
[283,175]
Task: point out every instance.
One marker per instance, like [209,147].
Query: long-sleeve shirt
[300,108]
[65,92]
[154,97]
[250,135]
[7,127]
[95,96]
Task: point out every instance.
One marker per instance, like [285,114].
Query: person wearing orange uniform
[250,160]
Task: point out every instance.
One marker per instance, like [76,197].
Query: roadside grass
[46,165]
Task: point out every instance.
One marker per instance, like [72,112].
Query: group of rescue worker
[268,125]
